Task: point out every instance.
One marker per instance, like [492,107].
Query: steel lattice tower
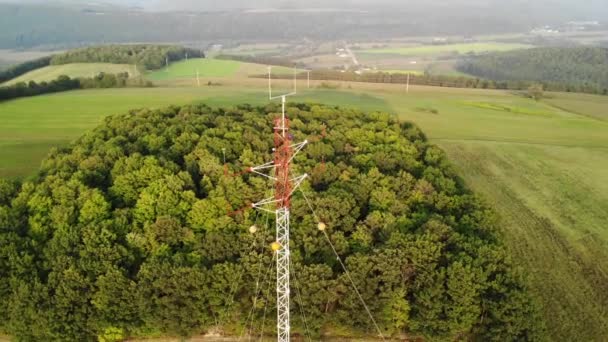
[284,186]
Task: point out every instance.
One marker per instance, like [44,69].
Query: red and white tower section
[285,184]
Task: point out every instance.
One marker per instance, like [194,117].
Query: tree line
[580,69]
[145,56]
[427,79]
[126,232]
[23,68]
[65,83]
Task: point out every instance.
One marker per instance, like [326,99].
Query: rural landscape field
[457,184]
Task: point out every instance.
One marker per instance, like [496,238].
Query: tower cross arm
[265,202]
[297,148]
[258,170]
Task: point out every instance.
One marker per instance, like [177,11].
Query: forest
[581,69]
[126,232]
[145,56]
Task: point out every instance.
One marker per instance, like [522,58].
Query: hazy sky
[590,5]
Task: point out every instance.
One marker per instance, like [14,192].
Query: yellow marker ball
[253,229]
[275,246]
[321,226]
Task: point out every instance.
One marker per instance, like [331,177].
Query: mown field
[553,206]
[426,50]
[542,165]
[74,70]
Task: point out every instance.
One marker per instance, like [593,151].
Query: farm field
[74,70]
[254,49]
[592,106]
[208,67]
[427,50]
[542,165]
[398,71]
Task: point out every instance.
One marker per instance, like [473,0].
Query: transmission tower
[285,184]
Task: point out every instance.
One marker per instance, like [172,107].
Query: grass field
[210,68]
[187,69]
[74,70]
[427,50]
[553,206]
[542,165]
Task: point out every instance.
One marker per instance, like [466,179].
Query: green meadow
[208,67]
[542,165]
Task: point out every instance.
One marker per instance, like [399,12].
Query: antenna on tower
[308,79]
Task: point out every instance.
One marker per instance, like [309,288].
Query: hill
[576,69]
[75,70]
[126,231]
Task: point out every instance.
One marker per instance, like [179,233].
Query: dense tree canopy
[146,56]
[581,69]
[126,232]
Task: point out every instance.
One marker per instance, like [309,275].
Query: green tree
[536,92]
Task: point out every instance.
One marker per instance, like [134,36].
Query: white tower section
[283,320]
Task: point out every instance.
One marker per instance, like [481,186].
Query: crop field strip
[428,50]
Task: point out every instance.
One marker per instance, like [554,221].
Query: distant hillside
[27,25]
[576,69]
